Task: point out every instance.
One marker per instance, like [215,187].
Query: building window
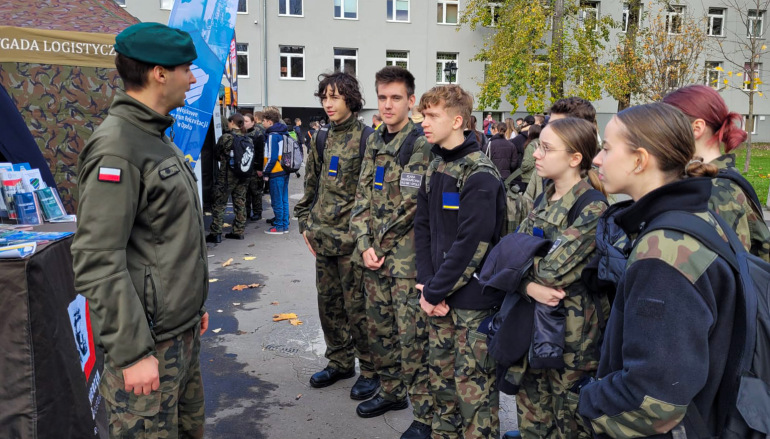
[714,74]
[753,126]
[164,4]
[243,7]
[448,11]
[756,23]
[674,17]
[346,9]
[673,74]
[751,79]
[398,10]
[627,14]
[345,60]
[242,63]
[588,14]
[397,58]
[442,59]
[290,7]
[716,22]
[292,62]
[494,14]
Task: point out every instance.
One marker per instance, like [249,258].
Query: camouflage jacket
[330,190]
[573,247]
[139,254]
[223,149]
[666,342]
[729,201]
[386,201]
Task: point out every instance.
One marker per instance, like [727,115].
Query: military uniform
[256,183]
[228,184]
[324,215]
[729,201]
[460,215]
[383,219]
[667,340]
[140,260]
[545,407]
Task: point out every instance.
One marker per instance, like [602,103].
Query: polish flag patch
[109,174]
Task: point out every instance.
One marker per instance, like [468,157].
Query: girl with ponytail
[713,126]
[545,407]
[668,335]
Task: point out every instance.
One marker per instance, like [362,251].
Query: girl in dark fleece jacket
[669,331]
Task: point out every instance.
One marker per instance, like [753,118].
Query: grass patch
[759,168]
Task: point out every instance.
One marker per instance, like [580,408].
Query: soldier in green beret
[139,252]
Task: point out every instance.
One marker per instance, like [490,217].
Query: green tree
[541,50]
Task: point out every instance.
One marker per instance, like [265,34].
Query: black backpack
[743,400]
[323,133]
[243,156]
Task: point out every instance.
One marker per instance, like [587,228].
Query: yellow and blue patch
[451,201]
[379,177]
[333,166]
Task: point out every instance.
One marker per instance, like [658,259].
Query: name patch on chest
[451,201]
[411,180]
[109,174]
[379,177]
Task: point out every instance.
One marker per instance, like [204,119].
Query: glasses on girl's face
[544,149]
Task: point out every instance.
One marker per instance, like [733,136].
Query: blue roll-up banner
[211,23]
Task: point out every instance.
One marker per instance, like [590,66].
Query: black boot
[364,388]
[379,406]
[234,236]
[215,238]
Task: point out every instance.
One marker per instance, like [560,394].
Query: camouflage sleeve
[528,160]
[570,251]
[224,146]
[106,214]
[532,191]
[417,164]
[312,175]
[662,312]
[359,216]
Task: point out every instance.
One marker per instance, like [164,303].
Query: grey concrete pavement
[256,371]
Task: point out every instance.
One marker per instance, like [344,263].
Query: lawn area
[759,169]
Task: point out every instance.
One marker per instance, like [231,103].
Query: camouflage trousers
[254,195]
[462,377]
[342,309]
[547,408]
[398,336]
[175,410]
[228,184]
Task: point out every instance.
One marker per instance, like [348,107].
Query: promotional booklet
[27,210]
[50,203]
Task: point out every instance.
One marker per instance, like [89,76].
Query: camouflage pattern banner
[211,23]
[18,44]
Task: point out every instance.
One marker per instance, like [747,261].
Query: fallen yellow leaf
[249,258]
[239,287]
[228,262]
[254,285]
[284,316]
[274,303]
[295,322]
[213,280]
[226,225]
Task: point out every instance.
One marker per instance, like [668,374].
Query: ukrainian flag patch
[334,165]
[451,201]
[379,177]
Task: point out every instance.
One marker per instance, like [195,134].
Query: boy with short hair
[394,165]
[460,213]
[274,174]
[331,179]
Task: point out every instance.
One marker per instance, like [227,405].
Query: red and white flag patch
[109,174]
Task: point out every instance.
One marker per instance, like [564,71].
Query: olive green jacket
[139,252]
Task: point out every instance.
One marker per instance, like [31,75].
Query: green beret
[156,44]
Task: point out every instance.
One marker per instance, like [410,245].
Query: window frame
[760,17]
[287,3]
[670,14]
[289,57]
[342,59]
[239,53]
[711,67]
[395,12]
[444,3]
[756,73]
[160,2]
[492,5]
[246,4]
[342,10]
[745,117]
[391,60]
[625,17]
[443,66]
[584,7]
[710,17]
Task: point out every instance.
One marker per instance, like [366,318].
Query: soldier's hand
[370,259]
[419,287]
[142,377]
[427,307]
[545,295]
[309,247]
[441,309]
[204,323]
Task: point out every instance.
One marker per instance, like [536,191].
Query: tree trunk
[629,49]
[557,85]
[749,129]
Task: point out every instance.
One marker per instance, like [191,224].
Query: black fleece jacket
[447,239]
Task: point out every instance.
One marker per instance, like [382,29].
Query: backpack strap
[407,148]
[367,131]
[323,133]
[733,175]
[584,200]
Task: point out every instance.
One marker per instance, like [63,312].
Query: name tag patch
[555,246]
[168,172]
[451,200]
[334,165]
[379,177]
[109,174]
[411,180]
